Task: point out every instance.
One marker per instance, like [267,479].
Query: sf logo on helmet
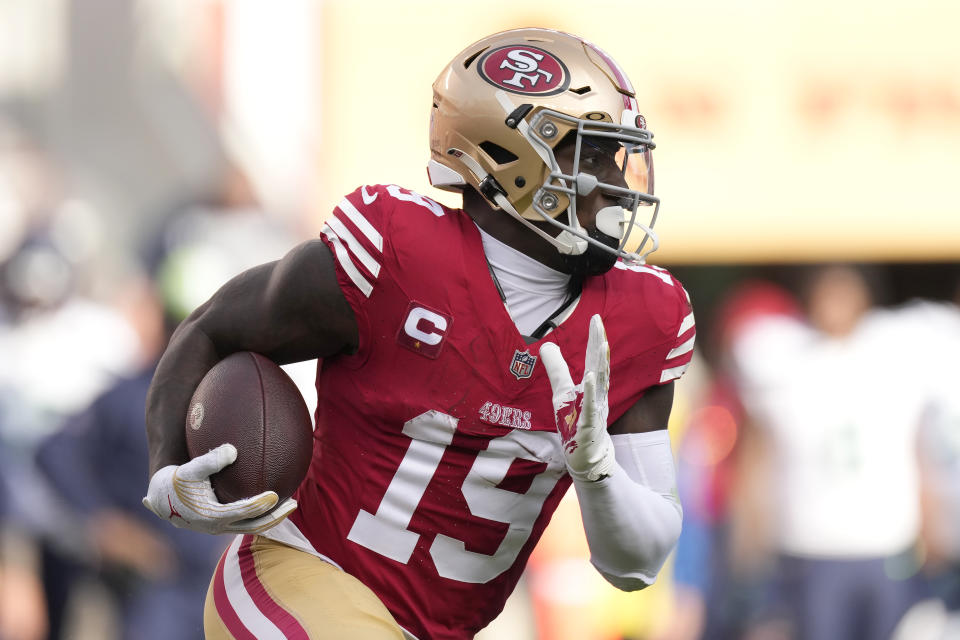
[524,69]
[524,64]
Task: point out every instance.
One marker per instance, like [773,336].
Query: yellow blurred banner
[786,131]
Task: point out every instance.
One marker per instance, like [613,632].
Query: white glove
[581,411]
[183,494]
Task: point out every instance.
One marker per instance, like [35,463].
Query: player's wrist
[593,457]
[597,471]
[589,478]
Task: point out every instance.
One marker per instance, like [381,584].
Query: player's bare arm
[650,413]
[289,310]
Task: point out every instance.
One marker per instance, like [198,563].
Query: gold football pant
[264,590]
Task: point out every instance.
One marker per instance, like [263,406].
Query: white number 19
[387,533]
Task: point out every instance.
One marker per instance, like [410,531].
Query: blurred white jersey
[844,416]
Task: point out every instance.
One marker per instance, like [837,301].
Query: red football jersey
[436,461]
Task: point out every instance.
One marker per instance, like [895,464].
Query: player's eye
[599,151]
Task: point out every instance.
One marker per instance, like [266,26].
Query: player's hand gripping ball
[250,439]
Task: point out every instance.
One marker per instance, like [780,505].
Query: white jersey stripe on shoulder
[686,347]
[686,324]
[673,373]
[362,224]
[346,263]
[250,615]
[354,245]
[643,268]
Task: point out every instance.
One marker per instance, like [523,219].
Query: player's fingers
[557,370]
[160,484]
[148,503]
[208,464]
[264,522]
[603,371]
[285,508]
[597,348]
[589,396]
[253,506]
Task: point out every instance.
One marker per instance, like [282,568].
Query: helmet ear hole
[497,153]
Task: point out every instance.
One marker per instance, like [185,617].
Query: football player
[476,362]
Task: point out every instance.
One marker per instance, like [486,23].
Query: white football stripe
[354,245]
[252,618]
[346,263]
[674,373]
[365,227]
[686,324]
[686,347]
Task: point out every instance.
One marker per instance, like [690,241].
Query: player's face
[837,298]
[598,157]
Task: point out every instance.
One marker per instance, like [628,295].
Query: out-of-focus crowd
[79,338]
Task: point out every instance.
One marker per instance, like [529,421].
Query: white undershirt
[533,290]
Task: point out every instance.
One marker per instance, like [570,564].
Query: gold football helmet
[501,108]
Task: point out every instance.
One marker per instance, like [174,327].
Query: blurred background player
[722,565]
[154,574]
[838,401]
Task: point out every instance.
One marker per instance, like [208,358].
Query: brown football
[250,402]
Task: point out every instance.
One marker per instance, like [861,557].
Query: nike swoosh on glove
[580,411]
[183,495]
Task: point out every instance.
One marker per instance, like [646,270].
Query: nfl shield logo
[522,365]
